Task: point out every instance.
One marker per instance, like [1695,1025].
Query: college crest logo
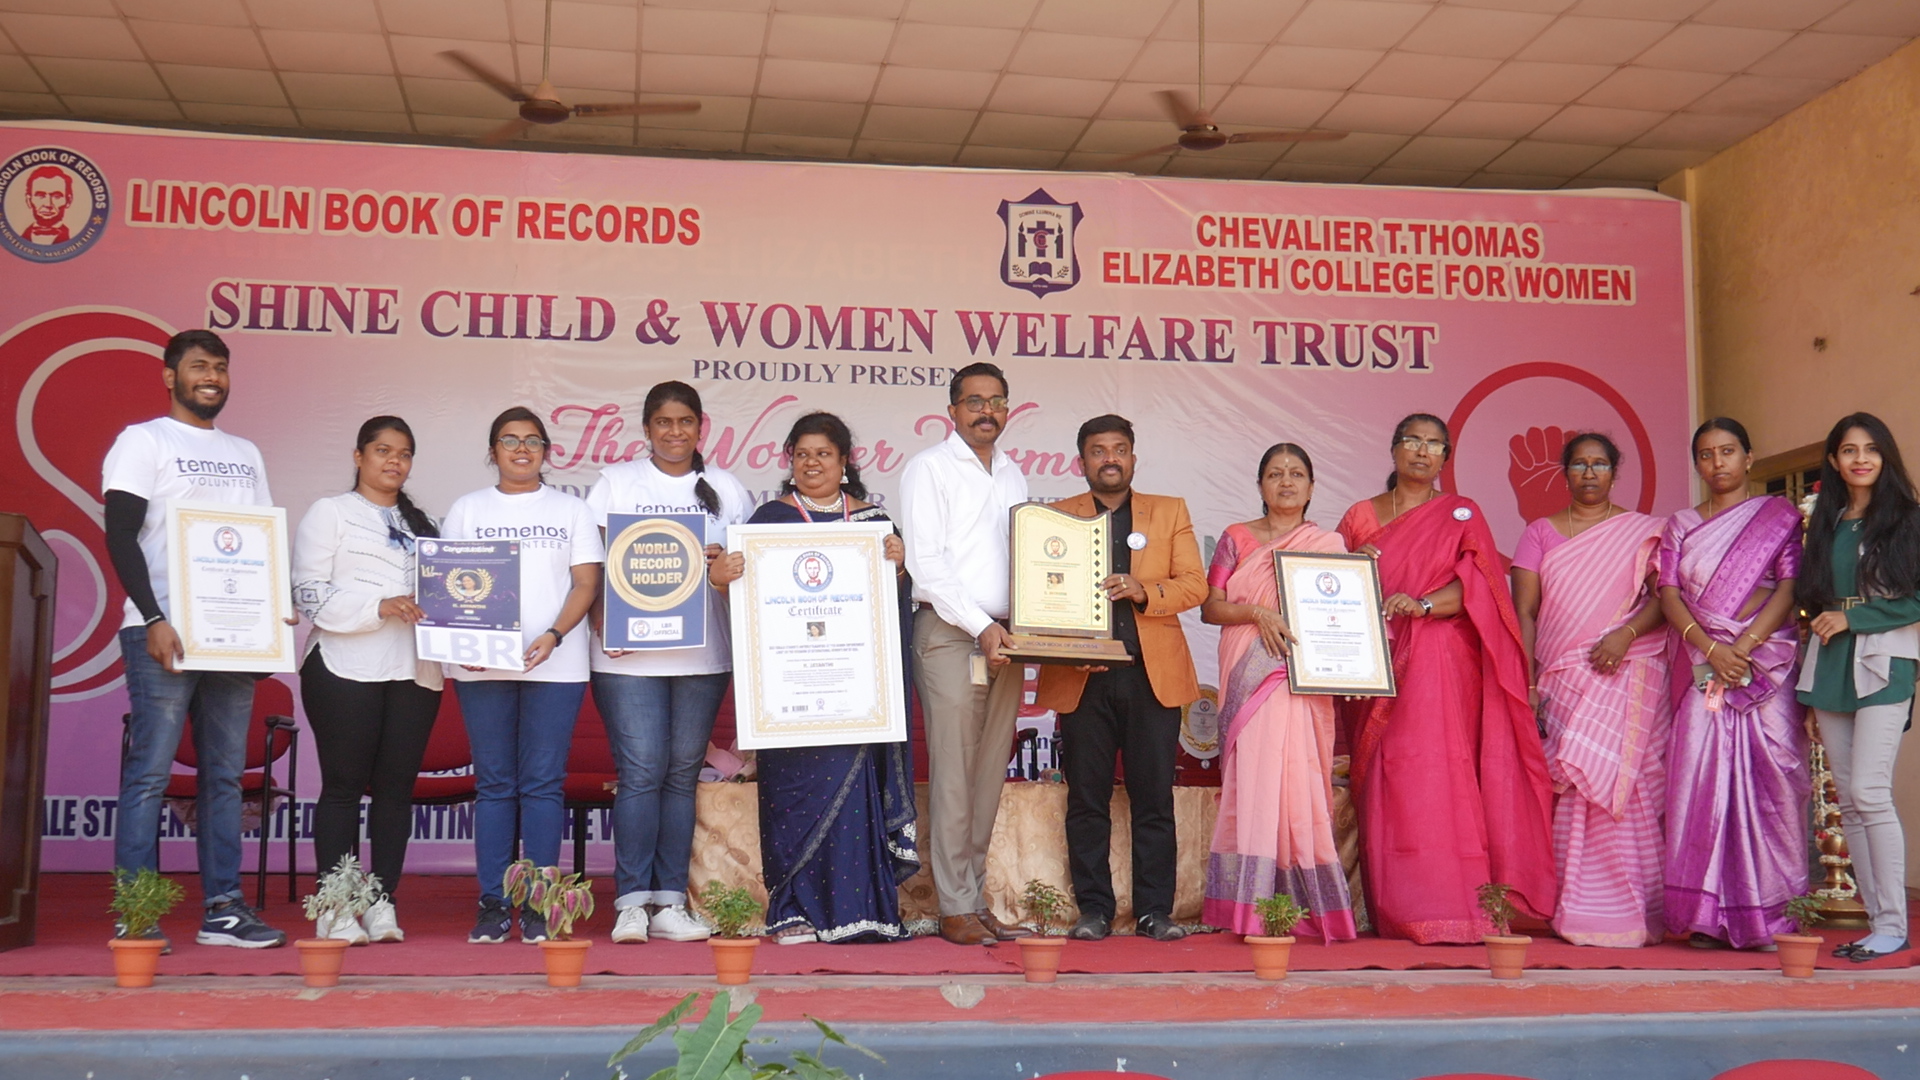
[53,204]
[1040,254]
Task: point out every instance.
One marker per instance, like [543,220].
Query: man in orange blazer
[1132,710]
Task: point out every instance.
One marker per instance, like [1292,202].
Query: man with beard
[955,499]
[1132,710]
[49,194]
[181,456]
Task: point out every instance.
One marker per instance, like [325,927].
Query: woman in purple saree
[1737,761]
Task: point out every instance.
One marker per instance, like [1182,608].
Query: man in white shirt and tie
[955,500]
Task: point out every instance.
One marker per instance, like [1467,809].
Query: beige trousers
[969,742]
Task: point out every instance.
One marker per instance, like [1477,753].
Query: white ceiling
[1483,93]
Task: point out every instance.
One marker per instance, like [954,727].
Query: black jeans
[1119,714]
[370,737]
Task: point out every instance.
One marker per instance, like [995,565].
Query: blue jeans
[520,732]
[658,727]
[222,706]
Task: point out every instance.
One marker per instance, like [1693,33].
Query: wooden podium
[27,570]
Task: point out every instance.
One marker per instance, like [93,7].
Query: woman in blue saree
[836,822]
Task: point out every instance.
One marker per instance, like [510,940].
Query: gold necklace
[1393,494]
[1573,532]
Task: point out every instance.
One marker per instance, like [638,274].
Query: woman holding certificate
[836,822]
[1737,783]
[521,722]
[1449,776]
[370,700]
[659,704]
[1274,834]
[1583,585]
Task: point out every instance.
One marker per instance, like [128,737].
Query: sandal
[1865,956]
[802,934]
[1847,950]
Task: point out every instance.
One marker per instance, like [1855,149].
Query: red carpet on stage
[437,912]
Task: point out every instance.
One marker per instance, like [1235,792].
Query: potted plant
[731,909]
[1046,906]
[140,900]
[1800,952]
[1279,914]
[717,1046]
[1506,951]
[561,899]
[340,896]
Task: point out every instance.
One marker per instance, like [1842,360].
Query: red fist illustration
[1533,468]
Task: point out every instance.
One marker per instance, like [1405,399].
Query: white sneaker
[631,927]
[675,923]
[347,929]
[382,923]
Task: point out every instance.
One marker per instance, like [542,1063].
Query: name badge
[1136,541]
[1461,513]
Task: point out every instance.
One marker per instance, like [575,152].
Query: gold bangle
[1712,645]
[1628,627]
[1688,630]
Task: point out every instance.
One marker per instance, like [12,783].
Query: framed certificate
[227,586]
[1332,605]
[469,591]
[655,590]
[1059,614]
[816,636]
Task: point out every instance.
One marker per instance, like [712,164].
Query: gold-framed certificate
[816,636]
[1058,613]
[228,595]
[1332,604]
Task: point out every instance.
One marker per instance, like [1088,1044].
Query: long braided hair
[675,391]
[416,518]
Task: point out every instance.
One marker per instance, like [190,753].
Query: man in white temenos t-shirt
[181,456]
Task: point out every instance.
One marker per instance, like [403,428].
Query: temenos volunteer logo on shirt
[538,536]
[53,204]
[1040,255]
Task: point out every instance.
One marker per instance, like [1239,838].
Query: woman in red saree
[1449,776]
[1583,584]
[1274,834]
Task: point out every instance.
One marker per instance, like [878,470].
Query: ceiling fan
[543,105]
[1197,129]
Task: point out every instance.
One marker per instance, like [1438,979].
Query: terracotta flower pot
[1040,957]
[1270,955]
[1507,954]
[733,959]
[1799,954]
[565,960]
[320,960]
[135,960]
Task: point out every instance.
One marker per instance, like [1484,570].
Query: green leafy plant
[1499,910]
[1805,912]
[142,899]
[1279,914]
[731,908]
[345,892]
[1044,904]
[561,899]
[716,1049]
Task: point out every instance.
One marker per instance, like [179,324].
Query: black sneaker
[1159,928]
[153,934]
[496,922]
[533,927]
[234,923]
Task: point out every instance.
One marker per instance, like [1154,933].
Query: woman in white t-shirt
[370,700]
[521,722]
[659,705]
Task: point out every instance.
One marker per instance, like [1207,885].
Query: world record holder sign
[656,595]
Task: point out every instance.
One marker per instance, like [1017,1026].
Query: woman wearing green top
[1859,579]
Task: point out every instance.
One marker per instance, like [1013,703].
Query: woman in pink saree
[1274,834]
[1737,783]
[1450,780]
[1583,585]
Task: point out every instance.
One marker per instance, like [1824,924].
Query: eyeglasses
[976,403]
[1597,468]
[1414,443]
[515,442]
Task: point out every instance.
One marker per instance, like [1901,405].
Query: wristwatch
[559,637]
[1426,606]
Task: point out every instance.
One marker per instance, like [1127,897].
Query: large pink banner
[447,284]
